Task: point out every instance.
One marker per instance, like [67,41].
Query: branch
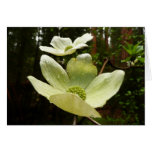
[104,64]
[92,120]
[123,68]
[75,120]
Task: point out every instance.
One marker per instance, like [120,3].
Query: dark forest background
[26,107]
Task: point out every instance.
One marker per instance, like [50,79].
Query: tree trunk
[102,42]
[126,33]
[21,55]
[93,32]
[36,62]
[106,38]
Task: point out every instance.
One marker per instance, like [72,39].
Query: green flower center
[67,48]
[79,91]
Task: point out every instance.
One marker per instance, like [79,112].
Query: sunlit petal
[43,88]
[53,72]
[73,104]
[103,87]
[60,43]
[83,39]
[52,50]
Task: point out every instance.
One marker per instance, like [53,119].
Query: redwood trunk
[94,50]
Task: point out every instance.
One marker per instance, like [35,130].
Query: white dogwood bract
[80,73]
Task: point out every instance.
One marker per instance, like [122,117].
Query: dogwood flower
[64,46]
[77,89]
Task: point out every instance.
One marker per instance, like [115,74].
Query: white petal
[80,46]
[72,50]
[60,43]
[85,57]
[103,87]
[74,104]
[52,50]
[43,88]
[53,72]
[83,39]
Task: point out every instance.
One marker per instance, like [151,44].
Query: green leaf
[73,104]
[139,49]
[103,87]
[127,59]
[133,49]
[141,59]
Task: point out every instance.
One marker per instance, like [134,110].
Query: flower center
[67,48]
[79,91]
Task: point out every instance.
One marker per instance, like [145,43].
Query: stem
[104,64]
[92,120]
[75,120]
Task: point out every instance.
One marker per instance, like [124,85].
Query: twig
[75,120]
[123,68]
[92,120]
[104,64]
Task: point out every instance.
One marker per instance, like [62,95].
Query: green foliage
[136,53]
[134,50]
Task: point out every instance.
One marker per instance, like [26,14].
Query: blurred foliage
[136,54]
[26,107]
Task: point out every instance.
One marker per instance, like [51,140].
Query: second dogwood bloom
[64,46]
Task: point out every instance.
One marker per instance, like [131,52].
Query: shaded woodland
[26,107]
